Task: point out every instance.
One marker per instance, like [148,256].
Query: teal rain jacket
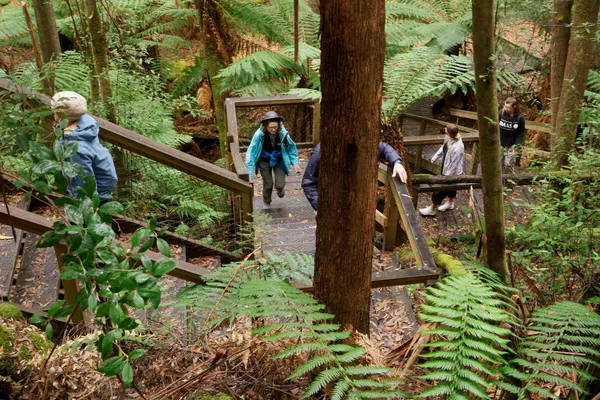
[289,152]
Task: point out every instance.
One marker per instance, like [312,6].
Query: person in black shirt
[512,130]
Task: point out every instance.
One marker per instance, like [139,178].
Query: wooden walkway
[291,224]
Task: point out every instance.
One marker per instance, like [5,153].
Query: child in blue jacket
[91,155]
[272,150]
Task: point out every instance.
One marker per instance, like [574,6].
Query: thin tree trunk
[489,137]
[216,56]
[100,56]
[353,50]
[561,32]
[34,42]
[48,34]
[579,59]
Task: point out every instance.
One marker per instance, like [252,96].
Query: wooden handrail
[270,101]
[152,149]
[529,125]
[34,223]
[436,122]
[437,139]
[403,201]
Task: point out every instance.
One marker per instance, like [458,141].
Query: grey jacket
[455,157]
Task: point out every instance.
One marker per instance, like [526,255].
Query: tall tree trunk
[216,55]
[489,137]
[48,33]
[561,32]
[352,55]
[100,56]
[579,59]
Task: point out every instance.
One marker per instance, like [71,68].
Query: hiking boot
[266,203]
[446,206]
[281,193]
[427,212]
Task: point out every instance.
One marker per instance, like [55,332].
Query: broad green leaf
[111,208]
[74,214]
[163,247]
[48,239]
[162,267]
[113,366]
[42,187]
[127,375]
[137,353]
[43,167]
[49,331]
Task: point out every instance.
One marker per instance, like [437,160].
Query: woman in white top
[453,155]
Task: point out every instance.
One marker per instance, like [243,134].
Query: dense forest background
[515,311]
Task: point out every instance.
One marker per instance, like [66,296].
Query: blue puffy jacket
[93,157]
[289,152]
[310,179]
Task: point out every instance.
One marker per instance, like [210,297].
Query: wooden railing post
[419,156]
[474,158]
[393,217]
[71,287]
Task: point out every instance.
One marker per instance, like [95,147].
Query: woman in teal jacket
[272,150]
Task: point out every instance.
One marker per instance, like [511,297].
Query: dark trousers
[267,175]
[438,197]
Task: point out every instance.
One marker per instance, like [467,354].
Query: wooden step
[10,248]
[37,280]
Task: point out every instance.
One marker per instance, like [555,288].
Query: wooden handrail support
[152,149]
[402,202]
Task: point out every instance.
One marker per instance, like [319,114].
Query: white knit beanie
[72,104]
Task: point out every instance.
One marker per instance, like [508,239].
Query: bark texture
[48,34]
[489,136]
[561,33]
[579,59]
[352,57]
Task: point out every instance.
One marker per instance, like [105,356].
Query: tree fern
[563,340]
[12,24]
[290,267]
[301,318]
[259,66]
[470,347]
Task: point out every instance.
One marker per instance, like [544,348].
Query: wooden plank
[389,237]
[392,278]
[419,155]
[231,121]
[36,224]
[411,224]
[316,123]
[475,156]
[529,125]
[269,101]
[37,278]
[381,219]
[432,121]
[9,253]
[123,224]
[425,188]
[429,140]
[238,163]
[152,149]
[70,287]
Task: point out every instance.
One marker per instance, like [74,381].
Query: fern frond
[12,23]
[259,66]
[471,343]
[562,342]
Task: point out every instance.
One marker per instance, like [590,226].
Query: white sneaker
[427,211]
[446,206]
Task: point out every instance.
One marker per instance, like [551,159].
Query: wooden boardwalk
[291,224]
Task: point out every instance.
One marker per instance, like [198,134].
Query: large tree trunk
[216,55]
[579,59]
[489,137]
[48,34]
[561,32]
[352,55]
[100,57]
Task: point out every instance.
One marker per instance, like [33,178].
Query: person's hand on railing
[400,172]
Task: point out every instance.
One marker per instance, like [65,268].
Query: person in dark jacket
[310,179]
[91,155]
[512,130]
